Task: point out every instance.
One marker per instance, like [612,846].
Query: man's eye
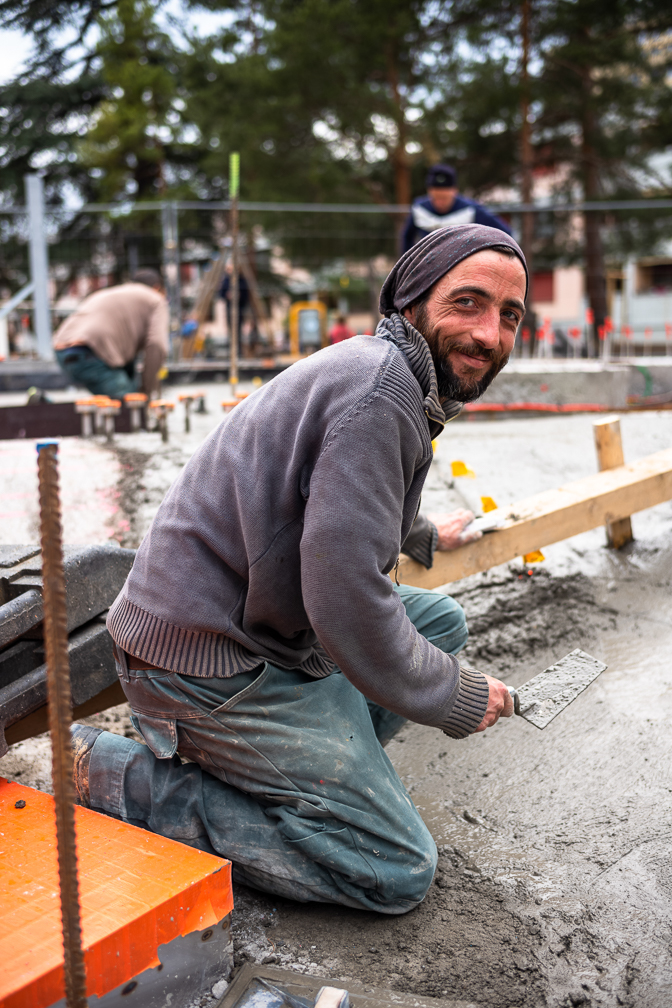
[468,301]
[512,315]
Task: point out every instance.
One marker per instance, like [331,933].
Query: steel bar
[171,263]
[122,209]
[60,717]
[234,179]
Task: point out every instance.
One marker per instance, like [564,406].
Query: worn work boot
[82,738]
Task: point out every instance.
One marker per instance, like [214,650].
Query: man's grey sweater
[276,541]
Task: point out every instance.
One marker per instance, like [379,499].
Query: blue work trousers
[83,367]
[289,778]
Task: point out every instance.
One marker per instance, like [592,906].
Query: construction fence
[332,255]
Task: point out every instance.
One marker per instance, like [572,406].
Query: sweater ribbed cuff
[470,705]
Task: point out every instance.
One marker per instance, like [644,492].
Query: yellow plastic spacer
[536,556]
[461,469]
[488,504]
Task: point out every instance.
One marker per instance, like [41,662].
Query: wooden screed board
[551,516]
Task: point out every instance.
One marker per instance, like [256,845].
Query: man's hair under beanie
[148,277]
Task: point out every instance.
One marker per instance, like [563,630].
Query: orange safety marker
[536,556]
[137,891]
[462,469]
[488,504]
[87,409]
[160,408]
[228,404]
[135,401]
[241,395]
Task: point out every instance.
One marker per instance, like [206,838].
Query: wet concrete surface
[554,885]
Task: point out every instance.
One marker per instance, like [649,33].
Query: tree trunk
[526,163]
[596,287]
[400,164]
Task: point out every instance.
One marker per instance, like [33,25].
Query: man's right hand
[500,703]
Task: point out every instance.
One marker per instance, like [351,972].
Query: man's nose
[486,332]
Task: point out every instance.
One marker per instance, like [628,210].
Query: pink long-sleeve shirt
[117,323]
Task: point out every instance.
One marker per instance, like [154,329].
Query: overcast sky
[15,47]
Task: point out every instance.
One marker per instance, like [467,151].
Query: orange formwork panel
[138,891]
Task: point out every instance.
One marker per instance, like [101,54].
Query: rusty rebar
[60,718]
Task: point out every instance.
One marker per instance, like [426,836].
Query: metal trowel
[542,698]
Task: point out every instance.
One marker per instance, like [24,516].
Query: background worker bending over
[99,344]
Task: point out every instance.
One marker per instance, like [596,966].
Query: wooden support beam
[551,516]
[609,449]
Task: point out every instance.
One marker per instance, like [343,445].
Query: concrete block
[561,381]
[650,375]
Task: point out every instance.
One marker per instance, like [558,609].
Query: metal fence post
[171,263]
[39,266]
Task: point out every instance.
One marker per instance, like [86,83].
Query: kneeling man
[259,633]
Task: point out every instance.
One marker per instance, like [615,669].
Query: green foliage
[343,101]
[125,145]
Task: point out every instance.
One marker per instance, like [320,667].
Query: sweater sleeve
[156,347]
[351,539]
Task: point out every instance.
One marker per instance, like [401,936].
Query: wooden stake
[60,718]
[609,449]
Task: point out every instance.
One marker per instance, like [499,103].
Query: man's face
[470,322]
[442,199]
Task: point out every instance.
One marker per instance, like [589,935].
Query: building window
[542,286]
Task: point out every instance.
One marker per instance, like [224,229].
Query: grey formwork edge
[303,985]
[94,576]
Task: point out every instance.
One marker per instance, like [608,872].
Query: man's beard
[451,386]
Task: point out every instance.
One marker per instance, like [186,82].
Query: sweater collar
[398,330]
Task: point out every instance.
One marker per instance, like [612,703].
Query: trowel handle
[515,698]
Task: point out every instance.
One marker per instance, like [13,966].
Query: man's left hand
[451,528]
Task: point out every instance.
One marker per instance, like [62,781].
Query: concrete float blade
[545,696]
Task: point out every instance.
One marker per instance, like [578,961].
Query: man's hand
[451,529]
[500,704]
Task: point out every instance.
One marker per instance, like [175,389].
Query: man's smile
[471,361]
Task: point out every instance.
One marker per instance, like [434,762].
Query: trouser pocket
[160,734]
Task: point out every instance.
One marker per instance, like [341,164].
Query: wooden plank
[609,447]
[551,516]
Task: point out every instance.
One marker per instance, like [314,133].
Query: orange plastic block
[137,891]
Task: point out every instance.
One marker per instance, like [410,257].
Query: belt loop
[121,663]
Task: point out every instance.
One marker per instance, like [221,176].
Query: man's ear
[409,313]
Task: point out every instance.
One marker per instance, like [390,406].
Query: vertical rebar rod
[60,717]
[234,183]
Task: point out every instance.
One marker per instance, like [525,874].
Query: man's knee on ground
[412,874]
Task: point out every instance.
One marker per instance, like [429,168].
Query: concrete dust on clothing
[554,885]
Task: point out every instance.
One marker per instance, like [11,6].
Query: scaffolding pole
[39,265]
[171,263]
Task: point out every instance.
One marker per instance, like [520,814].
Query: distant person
[98,345]
[443,207]
[341,331]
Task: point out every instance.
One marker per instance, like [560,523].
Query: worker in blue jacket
[444,207]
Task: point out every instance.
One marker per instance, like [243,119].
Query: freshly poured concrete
[554,884]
